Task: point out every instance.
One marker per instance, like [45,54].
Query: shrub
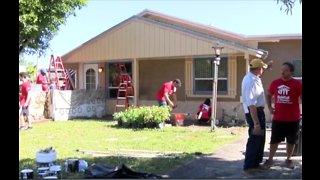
[143,116]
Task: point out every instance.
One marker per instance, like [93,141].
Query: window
[297,69]
[203,75]
[113,77]
[90,79]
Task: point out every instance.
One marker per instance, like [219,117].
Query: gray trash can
[298,147]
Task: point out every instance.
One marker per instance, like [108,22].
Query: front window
[297,69]
[90,79]
[204,72]
[113,76]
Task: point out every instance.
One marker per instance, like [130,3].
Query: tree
[31,68]
[39,21]
[289,5]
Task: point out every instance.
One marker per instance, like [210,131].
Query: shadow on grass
[157,165]
[218,168]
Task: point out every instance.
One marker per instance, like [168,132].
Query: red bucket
[178,119]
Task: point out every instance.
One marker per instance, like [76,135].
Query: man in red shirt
[286,112]
[167,89]
[42,79]
[24,102]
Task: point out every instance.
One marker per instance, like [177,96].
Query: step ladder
[125,88]
[57,71]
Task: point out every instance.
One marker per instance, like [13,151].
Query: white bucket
[49,157]
[26,174]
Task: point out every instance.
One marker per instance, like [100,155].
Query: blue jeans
[255,143]
[162,103]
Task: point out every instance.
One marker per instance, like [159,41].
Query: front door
[90,76]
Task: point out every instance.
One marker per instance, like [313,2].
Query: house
[157,48]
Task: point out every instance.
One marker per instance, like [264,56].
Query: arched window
[91,79]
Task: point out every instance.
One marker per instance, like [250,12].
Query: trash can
[298,147]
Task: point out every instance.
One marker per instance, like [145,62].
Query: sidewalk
[227,162]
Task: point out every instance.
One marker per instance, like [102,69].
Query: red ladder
[56,69]
[125,88]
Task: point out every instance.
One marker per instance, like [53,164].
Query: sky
[247,17]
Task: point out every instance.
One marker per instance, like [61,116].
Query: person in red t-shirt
[286,112]
[204,112]
[167,89]
[42,79]
[24,102]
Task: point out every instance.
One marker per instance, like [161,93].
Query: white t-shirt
[252,92]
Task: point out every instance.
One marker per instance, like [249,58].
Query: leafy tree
[31,68]
[39,21]
[289,5]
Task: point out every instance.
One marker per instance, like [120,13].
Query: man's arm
[254,115]
[269,102]
[166,96]
[174,98]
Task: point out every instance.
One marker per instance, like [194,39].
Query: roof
[156,15]
[226,38]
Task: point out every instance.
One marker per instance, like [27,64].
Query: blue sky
[248,17]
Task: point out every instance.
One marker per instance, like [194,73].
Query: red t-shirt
[41,79]
[25,88]
[286,99]
[206,111]
[167,87]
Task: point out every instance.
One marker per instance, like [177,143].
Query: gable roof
[163,17]
[235,41]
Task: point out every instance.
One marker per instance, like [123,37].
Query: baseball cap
[178,82]
[43,71]
[258,63]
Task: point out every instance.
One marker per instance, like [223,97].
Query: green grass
[68,136]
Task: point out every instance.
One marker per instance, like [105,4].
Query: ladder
[125,88]
[56,69]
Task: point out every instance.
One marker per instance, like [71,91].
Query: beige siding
[139,39]
[152,74]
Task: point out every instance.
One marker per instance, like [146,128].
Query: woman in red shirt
[204,112]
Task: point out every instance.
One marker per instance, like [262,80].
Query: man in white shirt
[253,98]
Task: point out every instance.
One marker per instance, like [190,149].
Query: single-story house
[157,48]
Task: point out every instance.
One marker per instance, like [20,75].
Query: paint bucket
[55,171]
[26,174]
[43,169]
[72,165]
[50,177]
[178,119]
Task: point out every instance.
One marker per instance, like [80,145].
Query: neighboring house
[158,48]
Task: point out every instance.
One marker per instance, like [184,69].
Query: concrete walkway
[227,162]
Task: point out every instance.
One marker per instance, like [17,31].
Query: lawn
[183,143]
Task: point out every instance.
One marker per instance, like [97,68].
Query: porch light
[217,49]
[100,69]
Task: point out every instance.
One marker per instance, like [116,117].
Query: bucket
[178,119]
[26,174]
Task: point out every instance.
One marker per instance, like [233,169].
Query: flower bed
[143,116]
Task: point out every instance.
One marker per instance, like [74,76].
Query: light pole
[217,49]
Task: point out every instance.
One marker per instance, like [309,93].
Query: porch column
[81,80]
[246,57]
[135,74]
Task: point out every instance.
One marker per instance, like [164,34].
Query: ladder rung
[130,96]
[120,105]
[123,90]
[121,98]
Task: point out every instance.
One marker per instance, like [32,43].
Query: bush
[143,116]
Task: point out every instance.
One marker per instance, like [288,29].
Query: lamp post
[216,61]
